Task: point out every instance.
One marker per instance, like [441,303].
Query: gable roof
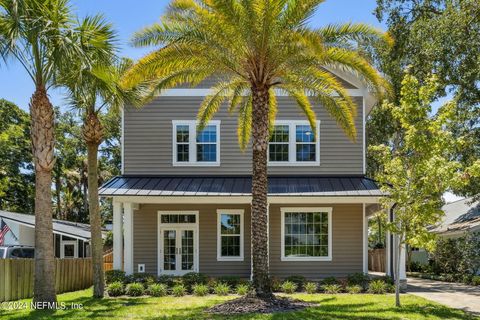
[68,228]
[460,216]
[238,186]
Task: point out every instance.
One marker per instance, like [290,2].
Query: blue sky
[128,16]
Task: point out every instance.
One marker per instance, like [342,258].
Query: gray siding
[347,250]
[145,239]
[148,140]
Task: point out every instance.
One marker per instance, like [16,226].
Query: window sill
[311,259]
[294,164]
[229,258]
[196,164]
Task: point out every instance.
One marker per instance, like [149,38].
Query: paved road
[454,295]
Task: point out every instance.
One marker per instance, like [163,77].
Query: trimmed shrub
[355,289]
[167,280]
[192,278]
[332,288]
[115,289]
[231,281]
[359,279]
[221,289]
[289,286]
[475,281]
[377,287]
[298,280]
[179,290]
[134,289]
[329,280]
[114,276]
[242,289]
[200,289]
[158,290]
[311,287]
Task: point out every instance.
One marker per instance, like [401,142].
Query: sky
[128,16]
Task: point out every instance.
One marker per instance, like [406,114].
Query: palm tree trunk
[92,132]
[43,141]
[259,221]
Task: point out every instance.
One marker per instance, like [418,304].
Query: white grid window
[229,235]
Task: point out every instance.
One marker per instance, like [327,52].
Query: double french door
[178,250]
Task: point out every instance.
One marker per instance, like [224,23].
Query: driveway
[454,295]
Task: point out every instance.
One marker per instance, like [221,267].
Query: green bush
[114,276]
[192,278]
[158,290]
[143,278]
[134,289]
[289,286]
[359,279]
[108,241]
[332,288]
[329,280]
[200,289]
[298,280]
[475,281]
[390,288]
[232,281]
[242,289]
[179,290]
[377,287]
[311,287]
[115,289]
[355,289]
[221,289]
[167,280]
[276,284]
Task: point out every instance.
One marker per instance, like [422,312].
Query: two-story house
[183,199]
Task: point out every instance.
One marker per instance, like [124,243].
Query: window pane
[305,152]
[182,152]
[230,223]
[304,133]
[230,246]
[182,133]
[207,152]
[306,234]
[278,152]
[280,134]
[209,134]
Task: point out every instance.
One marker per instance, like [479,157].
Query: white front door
[178,250]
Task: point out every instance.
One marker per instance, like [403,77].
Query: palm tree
[40,35]
[91,89]
[255,47]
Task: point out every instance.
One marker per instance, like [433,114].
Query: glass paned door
[178,250]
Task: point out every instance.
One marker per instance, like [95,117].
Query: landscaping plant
[179,290]
[115,289]
[134,289]
[242,289]
[192,278]
[289,287]
[298,280]
[221,289]
[114,276]
[354,289]
[158,290]
[311,287]
[329,280]
[200,290]
[377,287]
[332,288]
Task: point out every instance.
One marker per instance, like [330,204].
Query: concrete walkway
[454,295]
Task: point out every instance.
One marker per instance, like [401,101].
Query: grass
[340,306]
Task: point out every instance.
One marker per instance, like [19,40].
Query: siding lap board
[148,140]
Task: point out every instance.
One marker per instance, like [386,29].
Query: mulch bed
[256,305]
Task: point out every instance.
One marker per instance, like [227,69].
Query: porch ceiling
[331,186]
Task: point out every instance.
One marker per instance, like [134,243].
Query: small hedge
[158,290]
[114,276]
[179,290]
[200,290]
[134,289]
[115,289]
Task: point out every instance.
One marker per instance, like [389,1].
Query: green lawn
[341,306]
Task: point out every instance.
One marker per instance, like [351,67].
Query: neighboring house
[71,239]
[461,217]
[183,199]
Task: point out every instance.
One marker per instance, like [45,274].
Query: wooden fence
[376,260]
[108,260]
[16,277]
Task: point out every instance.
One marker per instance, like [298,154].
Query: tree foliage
[16,167]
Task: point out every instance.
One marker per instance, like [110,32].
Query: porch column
[117,235]
[128,236]
[365,240]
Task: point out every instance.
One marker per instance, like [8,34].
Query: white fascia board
[195,92]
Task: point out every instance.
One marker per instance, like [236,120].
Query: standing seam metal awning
[353,186]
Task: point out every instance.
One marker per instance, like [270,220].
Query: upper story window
[293,143]
[192,148]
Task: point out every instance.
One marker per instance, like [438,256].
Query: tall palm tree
[41,35]
[255,47]
[91,89]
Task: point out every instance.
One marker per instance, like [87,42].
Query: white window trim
[68,242]
[292,162]
[192,142]
[307,209]
[219,239]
